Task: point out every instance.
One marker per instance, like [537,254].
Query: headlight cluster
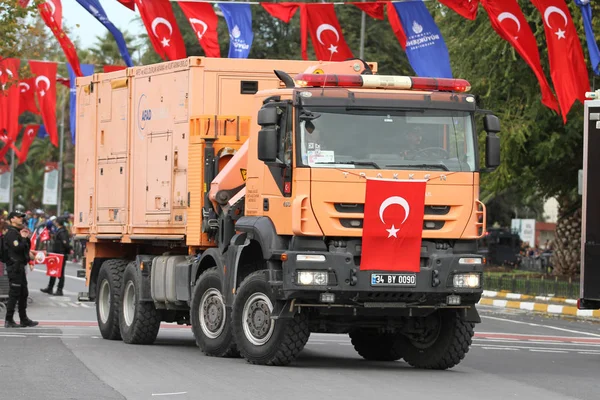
[466,281]
[312,278]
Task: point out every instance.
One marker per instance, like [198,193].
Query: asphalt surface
[515,354]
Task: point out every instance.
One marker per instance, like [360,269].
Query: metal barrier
[535,286]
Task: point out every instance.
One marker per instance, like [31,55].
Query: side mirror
[492,151]
[267,144]
[491,123]
[268,116]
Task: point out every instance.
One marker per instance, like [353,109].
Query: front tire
[446,345]
[139,320]
[211,320]
[375,346]
[260,339]
[108,300]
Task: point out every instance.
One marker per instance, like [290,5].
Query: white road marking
[529,348]
[168,394]
[20,336]
[548,351]
[541,325]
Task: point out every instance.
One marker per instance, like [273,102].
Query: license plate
[404,280]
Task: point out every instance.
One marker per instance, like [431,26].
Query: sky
[89,27]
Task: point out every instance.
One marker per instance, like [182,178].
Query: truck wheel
[260,339]
[108,300]
[445,345]
[375,346]
[211,320]
[139,320]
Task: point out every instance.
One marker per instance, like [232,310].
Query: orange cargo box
[141,136]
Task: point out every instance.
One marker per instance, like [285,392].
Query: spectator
[61,246]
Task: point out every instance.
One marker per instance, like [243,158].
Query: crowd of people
[24,233]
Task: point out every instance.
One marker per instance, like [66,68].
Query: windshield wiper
[371,163]
[439,166]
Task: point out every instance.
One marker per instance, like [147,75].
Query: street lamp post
[60,157]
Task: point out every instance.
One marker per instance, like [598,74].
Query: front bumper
[350,285]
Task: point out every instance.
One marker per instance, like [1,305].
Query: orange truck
[203,202]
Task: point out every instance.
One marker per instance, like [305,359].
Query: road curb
[554,309]
[517,296]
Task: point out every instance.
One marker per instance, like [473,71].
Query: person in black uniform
[17,248]
[61,246]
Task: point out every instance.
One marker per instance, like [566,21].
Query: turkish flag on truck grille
[393,225]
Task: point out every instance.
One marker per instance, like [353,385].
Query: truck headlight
[470,281]
[470,260]
[309,278]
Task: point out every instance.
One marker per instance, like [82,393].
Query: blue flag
[239,21]
[94,7]
[86,70]
[586,12]
[42,132]
[425,47]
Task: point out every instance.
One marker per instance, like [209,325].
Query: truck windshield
[418,140]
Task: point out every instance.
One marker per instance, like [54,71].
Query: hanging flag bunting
[24,3]
[425,47]
[509,22]
[393,225]
[282,11]
[373,9]
[239,22]
[51,12]
[586,13]
[95,8]
[27,100]
[567,65]
[162,28]
[325,32]
[45,87]
[87,70]
[29,135]
[204,22]
[466,8]
[395,23]
[10,98]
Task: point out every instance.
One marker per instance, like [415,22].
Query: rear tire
[211,319]
[375,346]
[139,320]
[260,339]
[447,345]
[108,299]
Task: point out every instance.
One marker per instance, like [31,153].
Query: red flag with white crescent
[27,101]
[204,22]
[509,22]
[51,12]
[162,28]
[320,20]
[29,136]
[53,262]
[393,225]
[567,64]
[45,87]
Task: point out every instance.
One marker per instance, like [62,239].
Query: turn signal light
[382,82]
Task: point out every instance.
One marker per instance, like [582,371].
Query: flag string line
[288,2]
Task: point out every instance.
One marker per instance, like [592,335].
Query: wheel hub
[212,313]
[257,324]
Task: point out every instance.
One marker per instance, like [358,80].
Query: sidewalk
[548,305]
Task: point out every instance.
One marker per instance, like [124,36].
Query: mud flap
[284,310]
[470,315]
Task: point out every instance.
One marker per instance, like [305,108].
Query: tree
[16,23]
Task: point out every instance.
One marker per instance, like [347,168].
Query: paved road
[515,355]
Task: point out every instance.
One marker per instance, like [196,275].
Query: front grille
[355,208]
[390,296]
[357,223]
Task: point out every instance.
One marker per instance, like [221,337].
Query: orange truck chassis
[206,200]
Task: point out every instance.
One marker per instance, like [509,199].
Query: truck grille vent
[357,223]
[360,208]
